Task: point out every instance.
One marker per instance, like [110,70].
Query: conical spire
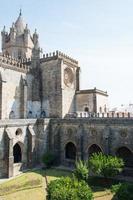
[20,24]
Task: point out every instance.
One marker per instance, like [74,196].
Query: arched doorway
[17,153]
[70,151]
[94,148]
[126,155]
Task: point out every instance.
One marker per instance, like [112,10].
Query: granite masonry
[42,108]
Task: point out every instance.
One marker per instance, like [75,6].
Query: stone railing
[99,115]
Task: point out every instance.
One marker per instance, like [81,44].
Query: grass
[31,186]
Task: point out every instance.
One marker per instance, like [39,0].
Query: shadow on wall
[17,108]
[22,103]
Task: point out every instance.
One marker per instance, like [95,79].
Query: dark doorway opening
[94,148]
[70,151]
[17,153]
[126,155]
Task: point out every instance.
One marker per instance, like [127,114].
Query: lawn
[31,186]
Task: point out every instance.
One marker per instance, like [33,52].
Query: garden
[93,179]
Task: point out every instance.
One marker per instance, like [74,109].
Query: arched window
[94,148]
[30,114]
[12,115]
[43,114]
[86,109]
[17,153]
[19,54]
[126,155]
[70,151]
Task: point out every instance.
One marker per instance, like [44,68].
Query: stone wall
[35,137]
[83,101]
[58,85]
[102,103]
[108,134]
[95,100]
[51,88]
[31,135]
[11,92]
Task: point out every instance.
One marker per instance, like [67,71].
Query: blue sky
[98,33]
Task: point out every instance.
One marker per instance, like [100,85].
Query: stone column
[106,139]
[25,100]
[31,147]
[80,153]
[77,79]
[10,158]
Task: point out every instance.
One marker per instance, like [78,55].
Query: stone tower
[18,43]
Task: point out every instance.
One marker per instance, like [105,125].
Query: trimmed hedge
[68,189]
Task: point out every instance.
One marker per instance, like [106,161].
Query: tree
[81,171]
[105,165]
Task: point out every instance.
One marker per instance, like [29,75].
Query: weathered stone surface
[37,98]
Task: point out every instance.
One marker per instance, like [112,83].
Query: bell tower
[18,43]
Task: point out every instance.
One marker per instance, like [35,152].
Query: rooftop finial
[20,13]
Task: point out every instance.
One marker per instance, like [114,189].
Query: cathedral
[42,107]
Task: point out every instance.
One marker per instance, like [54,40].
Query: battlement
[12,63]
[56,55]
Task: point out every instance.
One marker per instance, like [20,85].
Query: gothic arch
[70,151]
[126,154]
[94,148]
[17,153]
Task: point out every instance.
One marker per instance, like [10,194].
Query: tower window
[86,109]
[19,54]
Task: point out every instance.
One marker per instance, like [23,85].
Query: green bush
[81,171]
[105,165]
[48,159]
[123,191]
[68,189]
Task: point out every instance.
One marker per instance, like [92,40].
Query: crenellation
[43,108]
[60,55]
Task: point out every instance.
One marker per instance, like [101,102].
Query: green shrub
[105,165]
[81,171]
[48,159]
[68,189]
[123,191]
